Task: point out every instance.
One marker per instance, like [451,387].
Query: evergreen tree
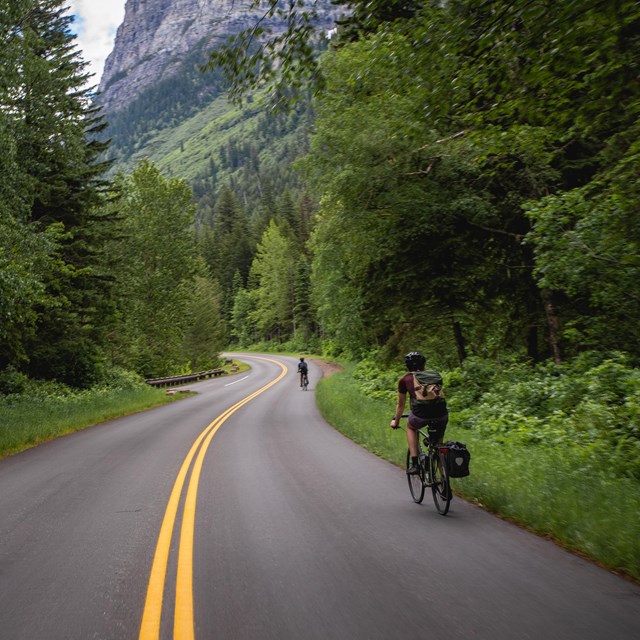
[226,247]
[205,336]
[273,272]
[24,248]
[303,315]
[47,113]
[242,327]
[154,261]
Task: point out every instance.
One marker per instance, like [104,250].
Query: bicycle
[304,380]
[433,472]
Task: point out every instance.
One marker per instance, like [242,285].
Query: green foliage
[553,487]
[50,283]
[242,329]
[12,381]
[115,377]
[376,382]
[49,410]
[399,242]
[590,405]
[470,187]
[24,253]
[205,336]
[273,271]
[226,246]
[587,248]
[154,262]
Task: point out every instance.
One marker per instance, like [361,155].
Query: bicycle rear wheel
[305,381]
[416,482]
[440,483]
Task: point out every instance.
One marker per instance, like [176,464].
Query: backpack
[428,386]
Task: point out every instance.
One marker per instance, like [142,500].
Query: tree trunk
[457,332]
[553,326]
[532,343]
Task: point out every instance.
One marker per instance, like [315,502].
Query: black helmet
[301,359]
[415,361]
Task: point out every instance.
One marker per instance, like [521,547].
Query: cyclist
[432,414]
[303,370]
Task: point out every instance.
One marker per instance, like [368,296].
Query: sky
[96,22]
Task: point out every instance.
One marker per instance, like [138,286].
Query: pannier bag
[457,457]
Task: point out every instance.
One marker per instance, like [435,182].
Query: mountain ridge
[156,35]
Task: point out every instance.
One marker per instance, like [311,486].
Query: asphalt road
[273,525]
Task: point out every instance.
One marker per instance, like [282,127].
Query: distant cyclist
[432,413]
[303,370]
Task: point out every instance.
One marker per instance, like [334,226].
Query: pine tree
[52,124]
[273,271]
[226,248]
[205,336]
[155,263]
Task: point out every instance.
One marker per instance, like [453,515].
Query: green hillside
[188,128]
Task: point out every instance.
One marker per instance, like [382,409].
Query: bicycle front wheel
[416,482]
[440,486]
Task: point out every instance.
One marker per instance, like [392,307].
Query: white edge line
[241,379]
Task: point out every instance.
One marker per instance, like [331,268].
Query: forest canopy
[477,167]
[95,274]
[467,185]
[474,170]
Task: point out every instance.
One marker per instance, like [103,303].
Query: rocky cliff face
[157,34]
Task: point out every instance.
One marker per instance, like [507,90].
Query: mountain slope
[160,105]
[156,35]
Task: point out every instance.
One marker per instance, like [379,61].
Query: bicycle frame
[432,473]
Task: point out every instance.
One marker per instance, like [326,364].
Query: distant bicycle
[433,472]
[303,370]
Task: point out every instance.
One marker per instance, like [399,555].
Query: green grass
[550,491]
[27,422]
[185,149]
[31,421]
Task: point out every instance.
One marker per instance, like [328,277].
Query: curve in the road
[183,620]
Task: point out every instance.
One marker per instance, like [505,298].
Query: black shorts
[435,426]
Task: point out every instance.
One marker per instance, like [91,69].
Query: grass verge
[32,421]
[29,421]
[550,491]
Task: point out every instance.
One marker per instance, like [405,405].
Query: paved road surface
[283,529]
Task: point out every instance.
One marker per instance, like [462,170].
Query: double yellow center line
[183,618]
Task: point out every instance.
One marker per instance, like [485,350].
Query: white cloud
[96,24]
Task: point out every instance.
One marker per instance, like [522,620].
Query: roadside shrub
[376,382]
[590,405]
[12,381]
[465,386]
[543,463]
[120,378]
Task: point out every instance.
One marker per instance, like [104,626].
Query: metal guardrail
[189,377]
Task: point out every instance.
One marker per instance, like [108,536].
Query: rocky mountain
[160,106]
[156,36]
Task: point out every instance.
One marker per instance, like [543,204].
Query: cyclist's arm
[402,399]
